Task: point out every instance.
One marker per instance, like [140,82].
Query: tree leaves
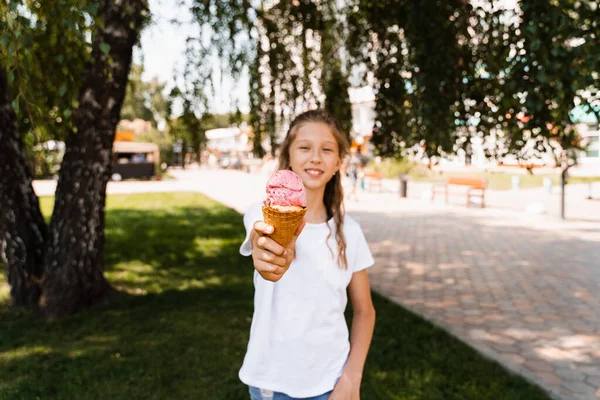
[44,47]
[105,47]
[292,46]
[553,72]
[444,74]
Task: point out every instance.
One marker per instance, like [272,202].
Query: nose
[315,157]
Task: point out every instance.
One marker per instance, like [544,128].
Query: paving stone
[567,373]
[591,371]
[539,366]
[594,381]
[577,386]
[550,378]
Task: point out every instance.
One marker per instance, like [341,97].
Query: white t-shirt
[299,339]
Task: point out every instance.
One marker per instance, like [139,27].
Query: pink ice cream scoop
[285,188]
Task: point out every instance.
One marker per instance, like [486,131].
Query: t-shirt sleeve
[362,257]
[253,214]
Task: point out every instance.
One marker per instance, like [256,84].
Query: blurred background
[134,133]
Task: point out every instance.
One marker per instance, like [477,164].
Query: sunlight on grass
[4,288]
[132,274]
[23,352]
[200,284]
[209,247]
[500,180]
[46,205]
[495,181]
[165,202]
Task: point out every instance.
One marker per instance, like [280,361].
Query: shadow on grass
[177,344]
[183,333]
[186,248]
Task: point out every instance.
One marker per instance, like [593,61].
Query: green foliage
[334,81]
[290,47]
[448,71]
[426,61]
[337,100]
[391,168]
[144,100]
[215,121]
[553,65]
[47,162]
[164,142]
[258,105]
[44,48]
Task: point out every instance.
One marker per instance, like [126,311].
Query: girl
[299,342]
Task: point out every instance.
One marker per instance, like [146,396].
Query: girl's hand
[271,260]
[346,388]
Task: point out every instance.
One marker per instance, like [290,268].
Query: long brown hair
[334,193]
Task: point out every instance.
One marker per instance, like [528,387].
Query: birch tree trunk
[74,260]
[22,228]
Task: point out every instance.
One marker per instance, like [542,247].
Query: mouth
[315,173]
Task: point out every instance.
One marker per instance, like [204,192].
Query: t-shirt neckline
[319,224]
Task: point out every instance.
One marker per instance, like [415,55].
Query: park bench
[374,179]
[475,189]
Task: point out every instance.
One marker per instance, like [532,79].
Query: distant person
[355,172]
[299,342]
[213,161]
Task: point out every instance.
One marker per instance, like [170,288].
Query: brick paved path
[522,289]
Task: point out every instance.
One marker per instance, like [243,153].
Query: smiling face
[314,155]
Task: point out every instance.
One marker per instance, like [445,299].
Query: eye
[304,148]
[328,150]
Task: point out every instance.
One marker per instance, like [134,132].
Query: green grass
[181,327]
[500,180]
[496,180]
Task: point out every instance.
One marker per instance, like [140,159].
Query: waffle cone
[284,222]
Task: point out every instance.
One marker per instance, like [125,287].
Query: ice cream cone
[285,221]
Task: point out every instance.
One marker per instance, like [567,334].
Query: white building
[229,140]
[363,115]
[589,128]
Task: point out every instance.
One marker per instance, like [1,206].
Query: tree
[186,128]
[337,99]
[335,81]
[74,273]
[23,231]
[38,88]
[143,100]
[513,74]
[44,84]
[258,115]
[553,66]
[290,45]
[426,60]
[72,252]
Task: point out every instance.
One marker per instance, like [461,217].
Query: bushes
[392,168]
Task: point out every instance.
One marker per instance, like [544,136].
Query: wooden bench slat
[374,174]
[476,183]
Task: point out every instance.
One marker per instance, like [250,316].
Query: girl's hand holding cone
[271,260]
